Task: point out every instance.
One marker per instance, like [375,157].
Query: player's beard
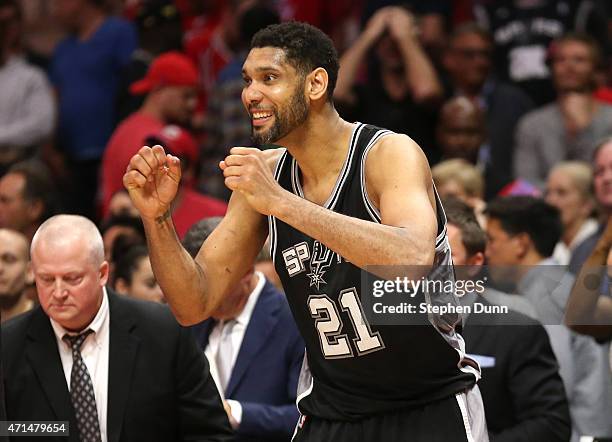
[285,120]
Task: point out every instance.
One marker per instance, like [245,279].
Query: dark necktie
[82,392]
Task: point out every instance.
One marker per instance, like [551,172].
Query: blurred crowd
[511,101]
[511,87]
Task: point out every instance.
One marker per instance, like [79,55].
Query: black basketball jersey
[354,369]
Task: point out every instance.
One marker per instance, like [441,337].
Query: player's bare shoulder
[396,170]
[272,156]
[395,152]
[389,147]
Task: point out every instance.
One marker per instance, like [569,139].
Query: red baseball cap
[169,69]
[178,142]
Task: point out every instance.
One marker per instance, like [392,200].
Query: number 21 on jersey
[334,343]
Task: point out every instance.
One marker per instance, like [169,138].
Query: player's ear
[316,84]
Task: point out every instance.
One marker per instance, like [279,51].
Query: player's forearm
[582,303]
[179,276]
[361,242]
[420,73]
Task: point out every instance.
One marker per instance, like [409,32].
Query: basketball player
[340,197]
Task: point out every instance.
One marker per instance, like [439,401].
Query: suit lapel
[44,357]
[123,348]
[262,322]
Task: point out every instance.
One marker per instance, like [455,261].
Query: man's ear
[104,273]
[524,242]
[477,259]
[475,263]
[316,84]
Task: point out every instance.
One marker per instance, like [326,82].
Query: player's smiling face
[273,95]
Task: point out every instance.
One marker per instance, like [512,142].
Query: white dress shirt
[238,330]
[563,252]
[94,352]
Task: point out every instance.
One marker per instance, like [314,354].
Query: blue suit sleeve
[270,421]
[276,421]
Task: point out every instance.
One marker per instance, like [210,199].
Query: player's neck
[320,145]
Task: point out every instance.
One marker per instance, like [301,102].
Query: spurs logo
[318,262]
[321,259]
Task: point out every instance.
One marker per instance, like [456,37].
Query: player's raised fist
[152,179]
[246,170]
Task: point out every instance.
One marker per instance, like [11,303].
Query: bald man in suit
[117,369]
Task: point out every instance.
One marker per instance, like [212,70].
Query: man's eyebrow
[263,69]
[267,68]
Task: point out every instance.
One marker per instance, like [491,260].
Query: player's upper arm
[399,184]
[230,250]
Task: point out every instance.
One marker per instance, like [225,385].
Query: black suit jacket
[159,387]
[522,391]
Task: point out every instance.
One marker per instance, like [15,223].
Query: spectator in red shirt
[171,88]
[189,206]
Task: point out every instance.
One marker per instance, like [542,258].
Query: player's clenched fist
[246,171]
[152,179]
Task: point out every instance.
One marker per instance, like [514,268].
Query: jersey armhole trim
[440,218]
[369,205]
[279,165]
[272,220]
